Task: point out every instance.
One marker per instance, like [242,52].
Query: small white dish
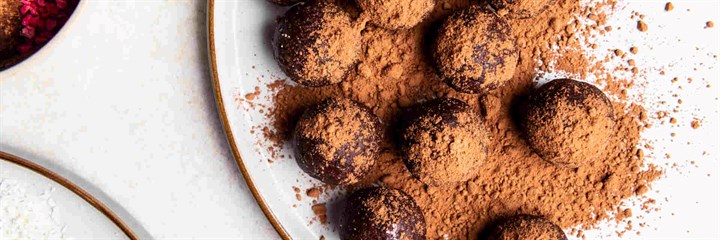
[36,203]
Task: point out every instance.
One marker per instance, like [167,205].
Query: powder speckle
[642,26]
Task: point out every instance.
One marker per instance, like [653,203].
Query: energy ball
[474,50]
[317,43]
[382,213]
[443,141]
[520,8]
[10,26]
[527,227]
[396,14]
[568,122]
[337,141]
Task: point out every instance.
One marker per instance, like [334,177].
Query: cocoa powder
[396,14]
[395,72]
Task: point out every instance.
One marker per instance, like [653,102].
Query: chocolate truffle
[520,8]
[396,14]
[316,43]
[527,227]
[474,50]
[568,122]
[337,141]
[382,213]
[443,141]
[10,26]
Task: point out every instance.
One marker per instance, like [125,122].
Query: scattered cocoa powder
[313,192]
[695,124]
[320,211]
[634,50]
[513,180]
[669,6]
[642,26]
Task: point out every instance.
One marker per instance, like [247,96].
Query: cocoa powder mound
[396,14]
[520,8]
[395,72]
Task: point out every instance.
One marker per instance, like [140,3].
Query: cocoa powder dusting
[395,72]
[396,14]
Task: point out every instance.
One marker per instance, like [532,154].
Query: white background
[121,103]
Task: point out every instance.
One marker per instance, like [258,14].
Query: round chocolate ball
[474,50]
[568,122]
[382,213]
[285,2]
[443,141]
[527,227]
[337,141]
[317,43]
[396,14]
[520,8]
[10,26]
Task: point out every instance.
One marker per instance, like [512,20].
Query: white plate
[241,56]
[34,206]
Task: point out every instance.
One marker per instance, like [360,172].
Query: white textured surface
[122,104]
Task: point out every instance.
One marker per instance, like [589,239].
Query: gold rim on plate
[85,195]
[226,127]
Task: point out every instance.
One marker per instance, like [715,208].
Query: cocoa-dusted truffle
[568,122]
[520,8]
[443,141]
[337,141]
[317,43]
[474,50]
[382,213]
[527,227]
[396,14]
[10,26]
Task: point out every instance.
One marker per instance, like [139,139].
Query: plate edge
[228,133]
